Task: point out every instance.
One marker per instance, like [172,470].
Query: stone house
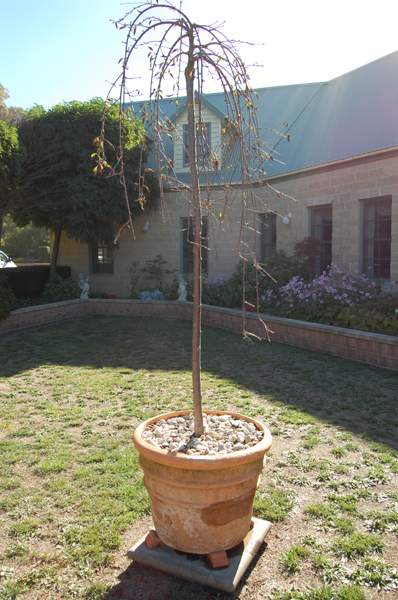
[335,168]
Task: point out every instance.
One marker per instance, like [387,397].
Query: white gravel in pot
[223,434]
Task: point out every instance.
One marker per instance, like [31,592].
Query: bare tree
[179,48]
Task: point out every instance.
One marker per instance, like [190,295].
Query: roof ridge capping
[211,106]
[289,85]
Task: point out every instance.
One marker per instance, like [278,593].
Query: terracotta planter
[201,504]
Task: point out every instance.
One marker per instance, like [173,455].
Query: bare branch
[198,50]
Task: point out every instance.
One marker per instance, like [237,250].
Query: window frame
[106,267]
[324,258]
[268,234]
[375,270]
[186,245]
[202,148]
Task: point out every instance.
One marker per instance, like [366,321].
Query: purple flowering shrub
[334,298]
[322,299]
[272,273]
[379,316]
[213,292]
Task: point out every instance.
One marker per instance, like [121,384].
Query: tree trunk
[1,228]
[54,255]
[197,250]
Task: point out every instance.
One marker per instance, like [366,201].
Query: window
[101,258]
[268,235]
[187,245]
[203,142]
[376,236]
[321,230]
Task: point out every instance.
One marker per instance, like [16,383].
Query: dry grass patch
[71,495]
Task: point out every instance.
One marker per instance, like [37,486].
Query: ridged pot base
[201,504]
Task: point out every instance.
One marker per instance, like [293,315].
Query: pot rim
[202,462]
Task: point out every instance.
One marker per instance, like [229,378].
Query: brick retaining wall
[370,348]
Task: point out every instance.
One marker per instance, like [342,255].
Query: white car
[5,261]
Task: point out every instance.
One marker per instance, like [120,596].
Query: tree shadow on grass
[357,397]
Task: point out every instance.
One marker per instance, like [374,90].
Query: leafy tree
[21,241]
[11,114]
[58,187]
[12,155]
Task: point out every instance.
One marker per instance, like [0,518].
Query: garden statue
[84,286]
[182,288]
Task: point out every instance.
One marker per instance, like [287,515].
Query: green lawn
[71,495]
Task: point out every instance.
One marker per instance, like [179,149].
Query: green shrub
[282,268]
[154,272]
[271,274]
[214,293]
[136,280]
[8,302]
[170,290]
[58,290]
[27,302]
[29,281]
[307,251]
[150,277]
[380,316]
[243,279]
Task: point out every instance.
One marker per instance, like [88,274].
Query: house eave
[207,103]
[349,161]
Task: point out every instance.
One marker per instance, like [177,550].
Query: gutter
[335,164]
[307,171]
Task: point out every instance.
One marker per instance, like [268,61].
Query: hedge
[29,281]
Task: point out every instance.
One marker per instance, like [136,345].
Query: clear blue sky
[61,50]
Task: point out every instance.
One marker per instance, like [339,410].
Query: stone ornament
[84,286]
[182,288]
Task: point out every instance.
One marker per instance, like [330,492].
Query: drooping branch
[196,50]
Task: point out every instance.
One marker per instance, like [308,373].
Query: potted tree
[201,498]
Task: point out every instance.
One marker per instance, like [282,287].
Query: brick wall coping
[352,333]
[43,307]
[371,348]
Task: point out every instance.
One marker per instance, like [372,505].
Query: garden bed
[371,348]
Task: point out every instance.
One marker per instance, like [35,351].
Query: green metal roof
[351,115]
